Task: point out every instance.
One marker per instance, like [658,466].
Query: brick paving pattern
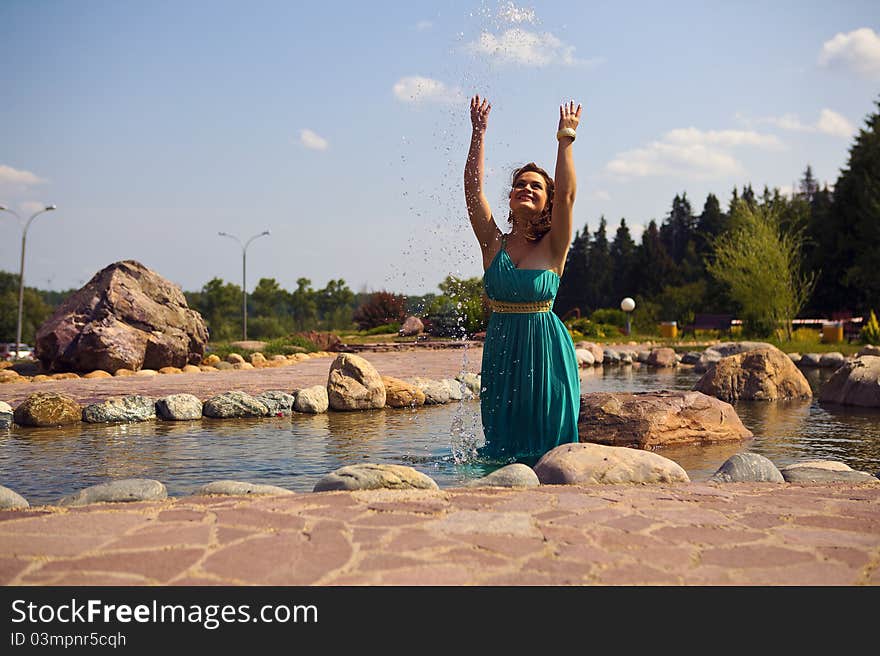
[681,534]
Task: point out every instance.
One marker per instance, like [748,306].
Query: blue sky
[342,127]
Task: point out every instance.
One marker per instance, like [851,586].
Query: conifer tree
[572,287]
[623,262]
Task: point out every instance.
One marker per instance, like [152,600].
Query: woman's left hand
[569,117]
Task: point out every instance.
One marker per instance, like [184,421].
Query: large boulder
[411,327]
[126,316]
[646,420]
[585,464]
[354,384]
[857,382]
[765,374]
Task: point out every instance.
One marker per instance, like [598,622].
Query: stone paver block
[155,566]
[754,556]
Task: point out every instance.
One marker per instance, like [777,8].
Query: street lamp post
[627,305]
[25,227]
[243,277]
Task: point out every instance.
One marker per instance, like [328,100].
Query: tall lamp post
[627,305]
[25,227]
[243,276]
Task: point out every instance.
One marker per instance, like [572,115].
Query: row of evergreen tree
[667,270]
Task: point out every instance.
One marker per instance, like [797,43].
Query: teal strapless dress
[530,395]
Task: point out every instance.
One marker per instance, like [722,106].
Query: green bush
[870,333]
[386,329]
[584,328]
[610,316]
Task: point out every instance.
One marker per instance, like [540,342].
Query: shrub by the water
[870,333]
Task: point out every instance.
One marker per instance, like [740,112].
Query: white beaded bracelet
[566,132]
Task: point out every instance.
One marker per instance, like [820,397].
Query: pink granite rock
[126,316]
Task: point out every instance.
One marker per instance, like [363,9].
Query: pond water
[295,452]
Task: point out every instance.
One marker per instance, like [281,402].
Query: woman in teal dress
[530,388]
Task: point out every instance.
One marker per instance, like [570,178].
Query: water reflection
[295,452]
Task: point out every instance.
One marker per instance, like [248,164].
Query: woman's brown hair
[541,226]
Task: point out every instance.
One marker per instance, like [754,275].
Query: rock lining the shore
[125,490]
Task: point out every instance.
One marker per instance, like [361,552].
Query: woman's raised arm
[566,182]
[478,208]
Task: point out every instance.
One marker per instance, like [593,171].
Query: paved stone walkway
[682,534]
[430,363]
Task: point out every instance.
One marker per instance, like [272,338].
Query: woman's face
[529,193]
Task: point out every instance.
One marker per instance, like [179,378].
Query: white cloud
[11,176]
[312,140]
[417,89]
[513,14]
[519,46]
[600,194]
[859,50]
[689,153]
[693,136]
[834,124]
[423,25]
[829,122]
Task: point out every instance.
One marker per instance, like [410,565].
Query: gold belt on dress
[520,308]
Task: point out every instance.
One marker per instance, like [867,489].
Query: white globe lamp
[627,305]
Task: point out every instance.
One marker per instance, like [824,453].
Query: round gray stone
[819,475]
[240,488]
[223,366]
[436,392]
[610,355]
[313,400]
[691,357]
[125,490]
[6,415]
[515,475]
[179,407]
[125,408]
[11,500]
[233,404]
[810,360]
[747,467]
[370,476]
[279,403]
[832,360]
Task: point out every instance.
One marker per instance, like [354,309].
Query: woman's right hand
[480,114]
